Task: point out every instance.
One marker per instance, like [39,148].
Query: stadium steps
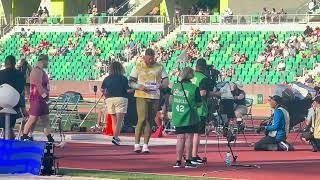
[142,9]
[169,37]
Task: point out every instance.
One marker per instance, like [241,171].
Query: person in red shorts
[39,99]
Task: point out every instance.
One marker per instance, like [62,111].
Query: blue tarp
[21,157]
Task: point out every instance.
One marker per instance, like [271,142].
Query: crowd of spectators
[272,16]
[305,44]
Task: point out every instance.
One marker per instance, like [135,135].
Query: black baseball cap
[201,63]
[276,98]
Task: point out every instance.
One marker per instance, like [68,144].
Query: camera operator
[311,134]
[240,107]
[204,83]
[277,130]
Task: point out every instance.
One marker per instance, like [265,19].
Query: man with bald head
[39,98]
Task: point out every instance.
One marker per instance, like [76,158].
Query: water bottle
[228,159]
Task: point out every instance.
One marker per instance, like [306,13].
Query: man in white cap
[240,103]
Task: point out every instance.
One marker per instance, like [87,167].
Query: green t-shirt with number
[203,109]
[181,111]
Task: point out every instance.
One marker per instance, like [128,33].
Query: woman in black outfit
[115,88]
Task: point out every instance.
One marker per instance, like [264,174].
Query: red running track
[297,165]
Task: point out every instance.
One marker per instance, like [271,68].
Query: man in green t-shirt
[203,82]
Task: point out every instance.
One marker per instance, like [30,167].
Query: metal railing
[185,19]
[250,19]
[36,21]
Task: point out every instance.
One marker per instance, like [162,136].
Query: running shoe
[116,141]
[25,138]
[137,148]
[145,149]
[190,165]
[197,160]
[178,165]
[283,146]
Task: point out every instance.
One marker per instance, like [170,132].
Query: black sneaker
[30,138]
[190,165]
[196,160]
[116,141]
[25,138]
[178,165]
[50,138]
[314,146]
[282,146]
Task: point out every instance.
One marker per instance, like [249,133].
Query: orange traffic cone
[108,130]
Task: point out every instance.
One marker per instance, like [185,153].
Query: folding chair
[65,110]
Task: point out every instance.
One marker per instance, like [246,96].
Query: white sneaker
[137,148]
[145,149]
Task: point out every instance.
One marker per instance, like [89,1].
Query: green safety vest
[203,109]
[182,114]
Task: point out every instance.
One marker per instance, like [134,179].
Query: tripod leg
[205,160]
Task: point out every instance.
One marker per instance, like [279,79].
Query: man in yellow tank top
[147,78]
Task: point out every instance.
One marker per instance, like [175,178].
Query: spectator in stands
[90,4]
[40,11]
[79,32]
[261,58]
[104,33]
[46,12]
[23,33]
[236,58]
[155,11]
[30,33]
[267,66]
[111,10]
[139,47]
[26,48]
[308,31]
[125,32]
[312,5]
[97,33]
[273,15]
[282,15]
[281,66]
[93,14]
[227,16]
[44,44]
[53,51]
[177,11]
[265,15]
[243,59]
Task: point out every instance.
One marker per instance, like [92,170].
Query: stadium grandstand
[257,46]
